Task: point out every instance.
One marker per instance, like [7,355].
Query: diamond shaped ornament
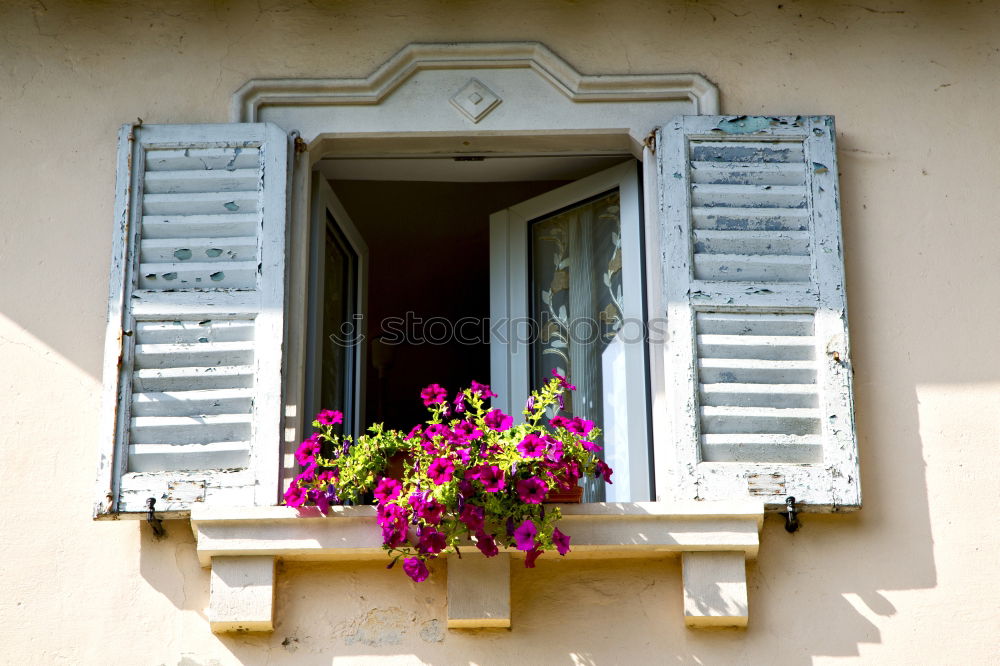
[475,100]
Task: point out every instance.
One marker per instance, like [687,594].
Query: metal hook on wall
[791,516]
[153,521]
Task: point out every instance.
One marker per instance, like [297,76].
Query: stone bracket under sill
[714,540]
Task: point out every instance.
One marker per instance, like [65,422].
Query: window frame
[510,303]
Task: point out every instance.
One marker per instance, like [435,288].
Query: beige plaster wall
[913,578]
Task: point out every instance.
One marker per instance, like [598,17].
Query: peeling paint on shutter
[758,362]
[193,355]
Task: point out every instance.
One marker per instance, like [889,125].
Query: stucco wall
[910,579]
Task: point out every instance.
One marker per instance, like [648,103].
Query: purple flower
[391,514]
[437,429]
[590,446]
[497,420]
[459,402]
[320,499]
[530,557]
[330,417]
[306,453]
[431,542]
[473,517]
[555,451]
[465,488]
[524,535]
[394,535]
[415,432]
[559,422]
[486,544]
[429,510]
[387,489]
[562,380]
[308,474]
[601,469]
[531,491]
[433,395]
[491,476]
[465,455]
[465,431]
[560,540]
[483,390]
[295,495]
[441,471]
[530,405]
[579,426]
[532,446]
[415,569]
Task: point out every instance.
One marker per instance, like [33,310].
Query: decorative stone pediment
[412,93]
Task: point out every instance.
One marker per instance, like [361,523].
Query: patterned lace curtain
[576,292]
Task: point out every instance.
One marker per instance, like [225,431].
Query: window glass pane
[576,294]
[339,307]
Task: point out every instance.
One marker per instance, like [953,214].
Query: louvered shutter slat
[757,354]
[198,317]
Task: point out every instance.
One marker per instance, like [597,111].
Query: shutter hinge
[153,521]
[650,141]
[300,145]
[791,516]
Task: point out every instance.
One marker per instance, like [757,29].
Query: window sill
[714,539]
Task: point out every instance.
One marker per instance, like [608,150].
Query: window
[748,394]
[568,296]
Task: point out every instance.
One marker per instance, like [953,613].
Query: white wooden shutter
[758,365]
[192,371]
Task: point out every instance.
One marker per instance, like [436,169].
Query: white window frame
[510,349]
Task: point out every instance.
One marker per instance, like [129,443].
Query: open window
[441,282]
[567,296]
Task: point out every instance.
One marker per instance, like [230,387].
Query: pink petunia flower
[483,390]
[532,446]
[307,451]
[415,569]
[431,541]
[530,557]
[486,544]
[491,476]
[531,491]
[295,495]
[441,470]
[560,540]
[524,535]
[562,380]
[465,431]
[497,420]
[579,426]
[330,417]
[387,489]
[434,394]
[473,516]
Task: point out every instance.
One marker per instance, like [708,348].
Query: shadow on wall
[170,565]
